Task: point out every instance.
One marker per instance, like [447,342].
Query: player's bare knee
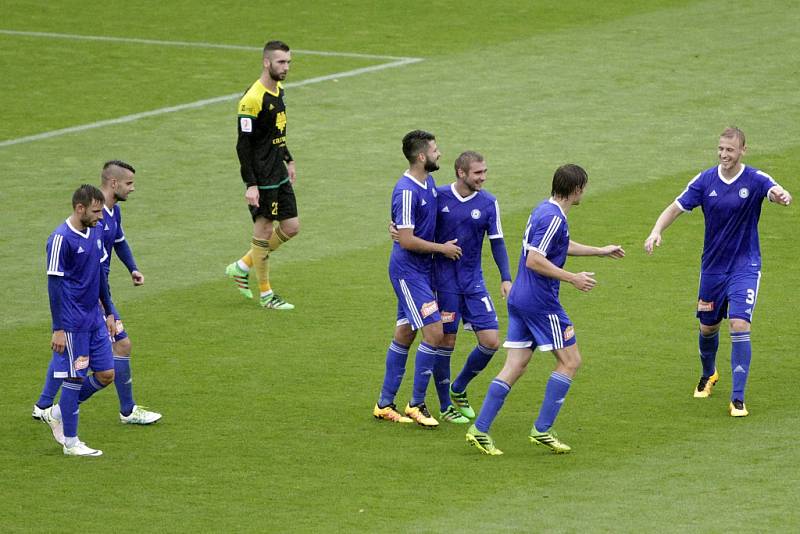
[739,325]
[404,335]
[709,330]
[290,229]
[490,341]
[122,347]
[105,377]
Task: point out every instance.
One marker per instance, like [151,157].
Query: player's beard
[119,198]
[431,166]
[277,77]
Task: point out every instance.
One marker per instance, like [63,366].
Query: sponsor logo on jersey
[246,124]
[448,317]
[80,250]
[82,362]
[445,210]
[744,192]
[476,214]
[713,193]
[569,333]
[703,306]
[120,327]
[429,308]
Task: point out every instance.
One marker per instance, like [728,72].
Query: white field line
[396,62]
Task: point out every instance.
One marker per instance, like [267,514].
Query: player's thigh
[569,359]
[742,293]
[73,362]
[449,309]
[514,367]
[416,302]
[712,298]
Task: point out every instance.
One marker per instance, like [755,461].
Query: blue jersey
[77,257]
[547,234]
[413,206]
[731,209]
[112,233]
[467,219]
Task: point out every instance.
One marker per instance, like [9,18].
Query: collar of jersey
[729,182]
[407,174]
[459,197]
[110,212]
[277,88]
[85,236]
[556,204]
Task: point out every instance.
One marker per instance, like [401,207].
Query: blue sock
[70,391]
[741,352]
[91,385]
[124,383]
[708,352]
[554,393]
[495,397]
[476,362]
[50,389]
[441,376]
[396,358]
[423,370]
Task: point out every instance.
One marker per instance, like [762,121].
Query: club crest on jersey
[744,192]
[476,214]
[569,333]
[82,362]
[429,308]
[703,306]
[448,317]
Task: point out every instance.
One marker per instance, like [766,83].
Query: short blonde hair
[734,132]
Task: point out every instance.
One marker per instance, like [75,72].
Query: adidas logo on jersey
[424,203]
[713,193]
[105,227]
[445,210]
[80,250]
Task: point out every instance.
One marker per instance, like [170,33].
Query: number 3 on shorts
[274,209]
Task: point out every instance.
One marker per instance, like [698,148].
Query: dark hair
[568,179]
[275,45]
[111,169]
[86,195]
[733,132]
[415,142]
[465,159]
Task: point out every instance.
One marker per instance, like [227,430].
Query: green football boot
[273,302]
[550,440]
[482,441]
[460,401]
[452,415]
[241,278]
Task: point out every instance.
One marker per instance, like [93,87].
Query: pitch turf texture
[267,423]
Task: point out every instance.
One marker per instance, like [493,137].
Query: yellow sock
[277,238]
[259,254]
[247,259]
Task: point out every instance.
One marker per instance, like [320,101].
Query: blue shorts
[121,332]
[544,331]
[475,310]
[416,303]
[731,295]
[84,351]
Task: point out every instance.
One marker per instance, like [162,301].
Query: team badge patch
[703,306]
[569,333]
[476,214]
[81,363]
[246,124]
[429,308]
[744,192]
[448,317]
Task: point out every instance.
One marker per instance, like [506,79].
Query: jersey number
[274,210]
[751,296]
[488,303]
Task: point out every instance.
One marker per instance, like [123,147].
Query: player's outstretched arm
[610,251]
[666,218]
[582,281]
[409,241]
[779,195]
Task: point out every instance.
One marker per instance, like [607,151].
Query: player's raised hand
[583,281]
[58,341]
[251,195]
[612,251]
[138,278]
[451,250]
[652,241]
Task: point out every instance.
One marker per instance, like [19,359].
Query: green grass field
[267,416]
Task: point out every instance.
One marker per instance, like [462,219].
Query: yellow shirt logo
[280,121]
